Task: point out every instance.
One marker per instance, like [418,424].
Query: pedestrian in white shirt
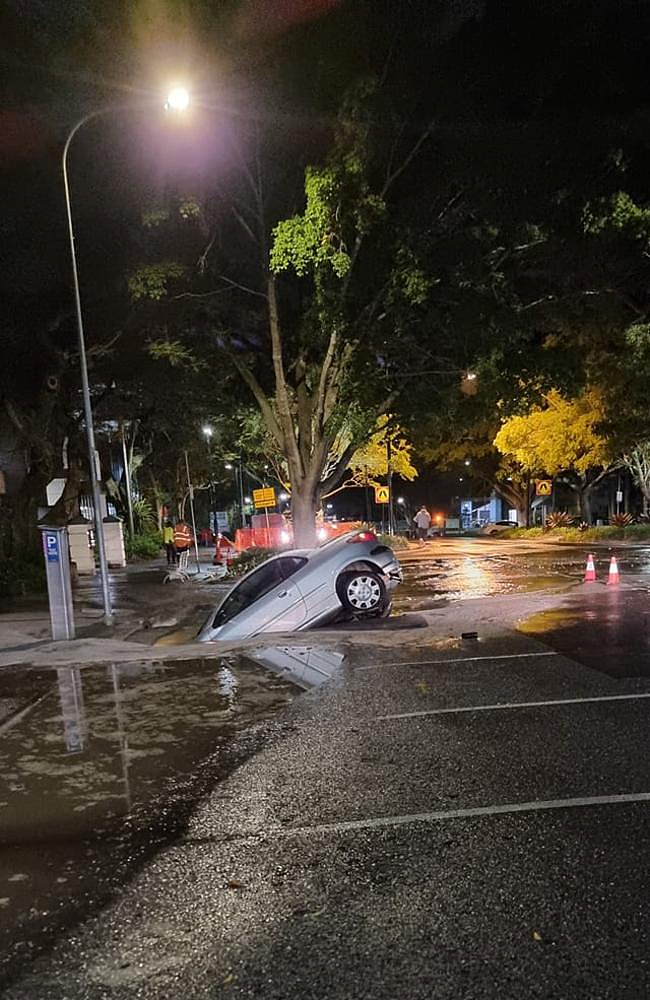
[423,522]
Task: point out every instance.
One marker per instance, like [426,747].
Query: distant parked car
[496,527]
[353,574]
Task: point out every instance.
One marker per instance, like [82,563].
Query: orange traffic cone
[590,572]
[613,571]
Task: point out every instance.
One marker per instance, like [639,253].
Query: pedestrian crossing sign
[382,494]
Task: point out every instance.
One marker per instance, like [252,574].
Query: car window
[290,565]
[250,590]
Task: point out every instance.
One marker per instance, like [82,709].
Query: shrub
[621,520]
[559,519]
[251,558]
[393,541]
[22,575]
[145,546]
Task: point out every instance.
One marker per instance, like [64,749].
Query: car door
[264,600]
[282,608]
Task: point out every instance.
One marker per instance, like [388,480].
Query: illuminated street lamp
[178,99]
[401,500]
[228,466]
[207,431]
[467,461]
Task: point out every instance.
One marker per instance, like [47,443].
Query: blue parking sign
[51,546]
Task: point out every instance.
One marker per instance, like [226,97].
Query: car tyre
[362,592]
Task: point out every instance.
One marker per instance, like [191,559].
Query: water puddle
[604,628]
[431,583]
[103,764]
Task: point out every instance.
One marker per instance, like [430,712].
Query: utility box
[59,590]
[81,549]
[114,541]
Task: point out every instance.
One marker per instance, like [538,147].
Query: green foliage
[154,216]
[189,209]
[577,535]
[21,576]
[619,213]
[310,240]
[175,353]
[151,281]
[251,558]
[144,518]
[143,546]
[340,207]
[393,541]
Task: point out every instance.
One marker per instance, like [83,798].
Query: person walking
[422,522]
[168,542]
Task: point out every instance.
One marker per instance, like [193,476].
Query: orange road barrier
[590,572]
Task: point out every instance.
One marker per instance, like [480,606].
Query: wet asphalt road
[472,820]
[452,819]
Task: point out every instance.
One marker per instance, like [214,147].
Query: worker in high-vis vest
[182,537]
[168,542]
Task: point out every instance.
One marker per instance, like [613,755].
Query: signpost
[264,498]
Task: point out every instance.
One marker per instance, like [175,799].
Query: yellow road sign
[381,494]
[265,497]
[544,487]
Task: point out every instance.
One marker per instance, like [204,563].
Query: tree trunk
[585,504]
[304,505]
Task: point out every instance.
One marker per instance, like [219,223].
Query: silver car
[296,590]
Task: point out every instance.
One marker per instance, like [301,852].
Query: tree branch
[408,159]
[260,397]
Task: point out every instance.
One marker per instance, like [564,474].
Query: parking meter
[59,589]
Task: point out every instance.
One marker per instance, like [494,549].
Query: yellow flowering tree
[561,438]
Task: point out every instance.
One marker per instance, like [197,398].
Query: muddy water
[101,764]
[428,582]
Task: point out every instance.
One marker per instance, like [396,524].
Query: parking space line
[380,822]
[512,704]
[457,659]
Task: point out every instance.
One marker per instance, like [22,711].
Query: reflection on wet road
[101,764]
[447,576]
[606,629]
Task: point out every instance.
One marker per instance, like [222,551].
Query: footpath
[449,818]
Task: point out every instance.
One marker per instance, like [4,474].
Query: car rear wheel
[362,592]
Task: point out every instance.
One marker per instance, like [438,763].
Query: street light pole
[177,101]
[93,458]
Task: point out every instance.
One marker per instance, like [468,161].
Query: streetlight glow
[207,430]
[178,99]
[228,466]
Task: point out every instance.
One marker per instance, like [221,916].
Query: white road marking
[432,817]
[457,659]
[512,704]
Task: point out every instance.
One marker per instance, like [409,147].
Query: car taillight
[364,536]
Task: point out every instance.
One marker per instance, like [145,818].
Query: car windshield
[259,583]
